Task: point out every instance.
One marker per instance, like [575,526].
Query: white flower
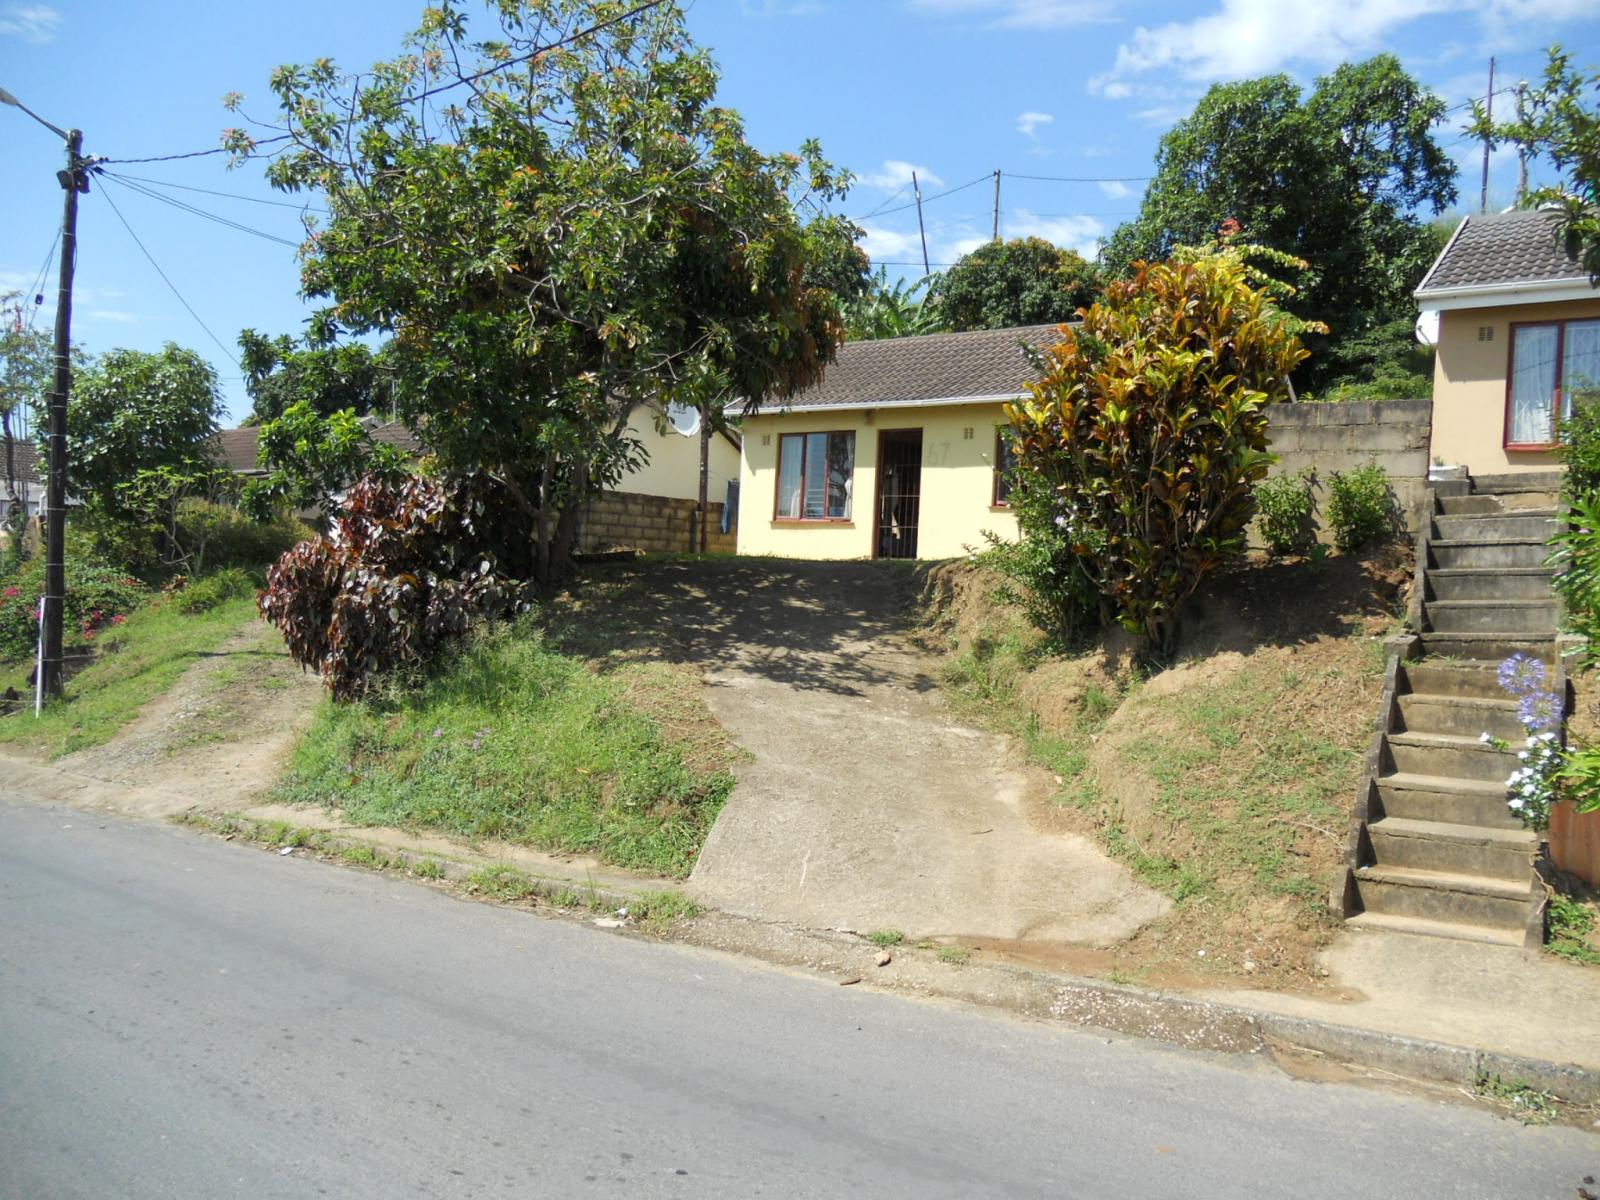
[1486,738]
[1523,755]
[1515,805]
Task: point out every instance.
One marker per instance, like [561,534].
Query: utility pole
[1483,199]
[916,189]
[1522,148]
[74,179]
[996,236]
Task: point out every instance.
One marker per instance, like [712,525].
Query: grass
[138,661]
[954,955]
[1527,1103]
[886,937]
[1571,924]
[509,739]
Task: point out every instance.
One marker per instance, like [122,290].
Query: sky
[1066,98]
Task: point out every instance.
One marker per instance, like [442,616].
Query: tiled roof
[1502,248]
[937,366]
[237,447]
[26,461]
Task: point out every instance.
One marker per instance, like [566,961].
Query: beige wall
[957,482]
[673,468]
[1469,386]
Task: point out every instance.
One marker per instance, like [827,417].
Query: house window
[815,473]
[1551,364]
[1005,458]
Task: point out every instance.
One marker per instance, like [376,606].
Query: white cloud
[889,244]
[1115,188]
[112,314]
[779,8]
[896,174]
[30,22]
[1080,233]
[1028,123]
[1020,14]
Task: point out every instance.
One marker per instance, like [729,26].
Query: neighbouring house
[30,485]
[1519,337]
[896,453]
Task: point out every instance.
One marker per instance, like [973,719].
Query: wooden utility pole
[74,179]
[1522,147]
[916,189]
[1483,199]
[996,235]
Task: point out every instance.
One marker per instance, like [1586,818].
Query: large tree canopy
[1027,281]
[25,365]
[279,373]
[555,223]
[1343,178]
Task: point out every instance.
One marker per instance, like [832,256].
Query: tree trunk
[541,561]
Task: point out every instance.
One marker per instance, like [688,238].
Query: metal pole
[1483,199]
[917,189]
[997,206]
[55,569]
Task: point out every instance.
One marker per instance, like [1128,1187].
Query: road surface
[182,1017]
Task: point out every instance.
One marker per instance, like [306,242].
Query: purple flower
[1522,674]
[1539,710]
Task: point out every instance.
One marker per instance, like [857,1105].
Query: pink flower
[11,593]
[118,619]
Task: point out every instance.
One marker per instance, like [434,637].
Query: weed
[362,855]
[1527,1103]
[566,898]
[954,955]
[502,883]
[1571,923]
[886,937]
[656,911]
[427,868]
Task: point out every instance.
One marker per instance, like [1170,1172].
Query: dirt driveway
[865,806]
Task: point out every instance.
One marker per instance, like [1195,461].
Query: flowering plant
[1532,786]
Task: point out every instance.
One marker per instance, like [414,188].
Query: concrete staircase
[1433,848]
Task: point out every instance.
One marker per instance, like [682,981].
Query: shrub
[1054,590]
[1579,450]
[1575,555]
[1361,506]
[1284,507]
[98,596]
[219,535]
[213,590]
[407,566]
[1149,429]
[117,541]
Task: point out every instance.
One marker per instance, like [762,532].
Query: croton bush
[1149,426]
[406,565]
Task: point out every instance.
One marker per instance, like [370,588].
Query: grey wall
[1326,438]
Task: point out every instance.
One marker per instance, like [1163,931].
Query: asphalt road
[181,1017]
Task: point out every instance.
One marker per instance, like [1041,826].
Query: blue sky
[955,89]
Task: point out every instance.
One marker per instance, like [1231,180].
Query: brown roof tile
[1502,248]
[938,366]
[26,461]
[237,447]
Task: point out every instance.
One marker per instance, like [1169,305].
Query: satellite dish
[684,418]
[1427,327]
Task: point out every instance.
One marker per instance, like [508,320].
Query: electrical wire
[213,192]
[282,137]
[1078,178]
[183,206]
[898,193]
[170,285]
[884,212]
[38,280]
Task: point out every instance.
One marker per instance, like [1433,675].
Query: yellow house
[671,465]
[894,454]
[1518,337]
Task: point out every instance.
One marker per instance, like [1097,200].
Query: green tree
[1560,121]
[140,432]
[1337,179]
[891,310]
[1144,439]
[554,223]
[25,366]
[1026,281]
[280,373]
[310,458]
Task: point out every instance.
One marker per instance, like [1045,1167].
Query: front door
[899,492]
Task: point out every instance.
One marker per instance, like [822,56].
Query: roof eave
[917,402]
[1494,295]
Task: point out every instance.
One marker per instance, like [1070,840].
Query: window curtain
[1533,384]
[790,448]
[1580,375]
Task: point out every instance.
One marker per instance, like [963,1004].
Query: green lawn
[138,661]
[509,739]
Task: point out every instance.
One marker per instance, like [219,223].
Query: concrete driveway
[865,805]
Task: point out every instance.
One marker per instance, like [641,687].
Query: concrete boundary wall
[654,524]
[1327,438]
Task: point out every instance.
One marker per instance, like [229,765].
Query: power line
[228,195]
[900,192]
[884,212]
[200,212]
[282,137]
[1077,178]
[171,286]
[38,280]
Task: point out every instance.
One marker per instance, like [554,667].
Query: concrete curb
[1186,1022]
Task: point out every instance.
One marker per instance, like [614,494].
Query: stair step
[1488,554]
[1497,853]
[1494,616]
[1467,680]
[1450,755]
[1493,583]
[1389,922]
[1445,799]
[1447,896]
[1466,716]
[1458,505]
[1538,523]
[1488,648]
